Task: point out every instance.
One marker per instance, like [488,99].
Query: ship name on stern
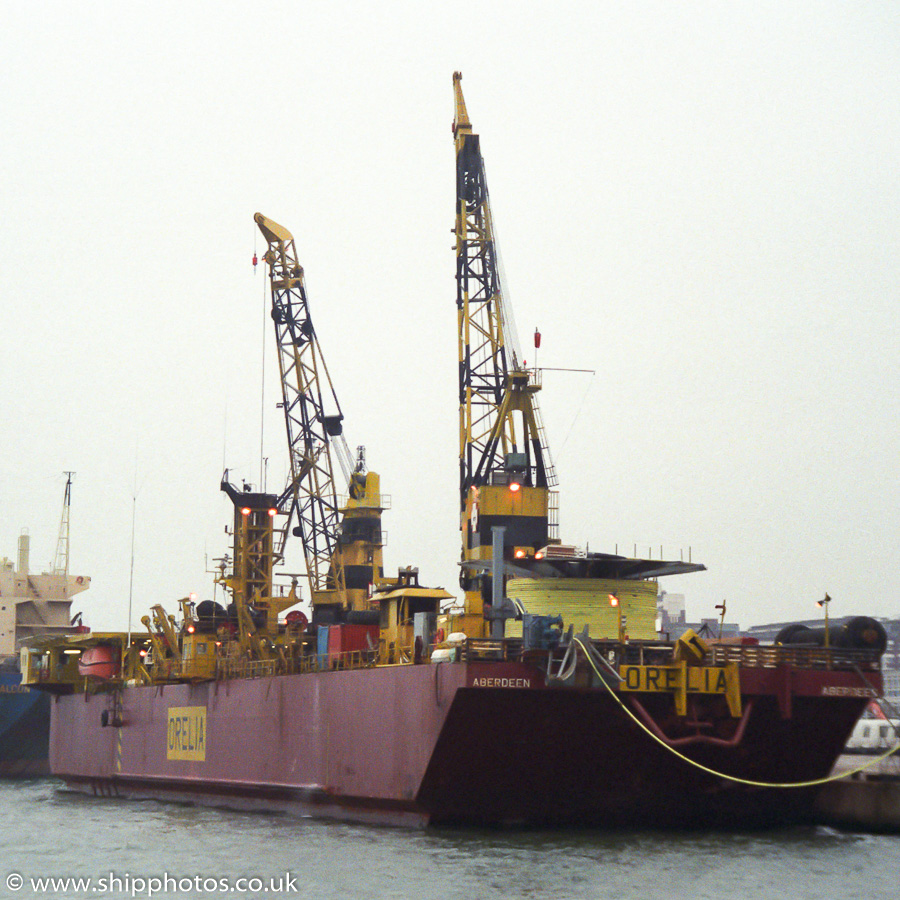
[502,682]
[838,691]
[186,733]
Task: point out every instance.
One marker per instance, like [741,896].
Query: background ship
[31,605]
[543,697]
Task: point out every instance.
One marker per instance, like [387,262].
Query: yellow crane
[341,535]
[506,474]
[508,505]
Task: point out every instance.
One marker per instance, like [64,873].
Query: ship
[541,695]
[32,605]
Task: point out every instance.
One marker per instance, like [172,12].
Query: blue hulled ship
[32,605]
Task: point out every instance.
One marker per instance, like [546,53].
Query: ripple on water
[55,832]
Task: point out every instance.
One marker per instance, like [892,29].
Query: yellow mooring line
[767,784]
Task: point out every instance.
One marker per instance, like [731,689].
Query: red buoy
[297,619]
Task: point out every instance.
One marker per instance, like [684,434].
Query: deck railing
[661,653]
[798,657]
[246,668]
[512,650]
[326,662]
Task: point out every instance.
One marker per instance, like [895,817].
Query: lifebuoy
[79,580]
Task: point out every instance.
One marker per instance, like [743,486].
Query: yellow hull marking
[682,680]
[186,733]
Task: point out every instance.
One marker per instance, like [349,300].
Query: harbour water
[124,849]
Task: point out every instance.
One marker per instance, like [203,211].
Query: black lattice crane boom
[341,536]
[505,467]
[311,494]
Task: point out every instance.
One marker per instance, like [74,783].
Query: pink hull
[470,743]
[315,739]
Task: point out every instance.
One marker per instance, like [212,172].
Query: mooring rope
[766,784]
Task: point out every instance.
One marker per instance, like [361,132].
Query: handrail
[246,668]
[658,652]
[760,656]
[325,662]
[505,650]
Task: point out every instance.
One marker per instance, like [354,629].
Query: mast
[61,560]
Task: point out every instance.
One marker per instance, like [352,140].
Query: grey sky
[699,201]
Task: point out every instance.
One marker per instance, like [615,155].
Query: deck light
[823,604]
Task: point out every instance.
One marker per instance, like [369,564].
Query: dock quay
[866,801]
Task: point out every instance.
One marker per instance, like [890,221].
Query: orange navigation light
[539,554]
[190,629]
[613,600]
[272,512]
[245,511]
[515,486]
[520,553]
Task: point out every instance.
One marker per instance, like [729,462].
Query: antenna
[134,494]
[131,573]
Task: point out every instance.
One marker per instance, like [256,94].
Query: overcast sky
[699,201]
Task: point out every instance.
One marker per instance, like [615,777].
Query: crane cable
[262,381]
[766,784]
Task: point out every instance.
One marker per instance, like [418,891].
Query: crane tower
[506,473]
[341,535]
